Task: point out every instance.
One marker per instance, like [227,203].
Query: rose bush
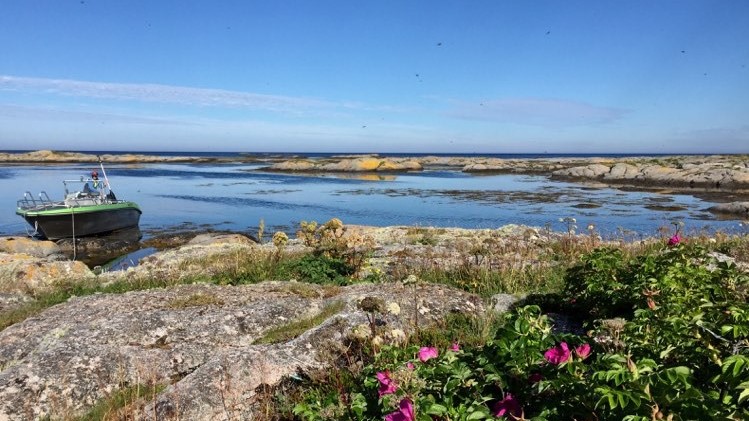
[680,352]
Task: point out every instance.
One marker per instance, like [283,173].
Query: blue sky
[375,76]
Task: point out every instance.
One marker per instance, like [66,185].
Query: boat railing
[94,192]
[29,202]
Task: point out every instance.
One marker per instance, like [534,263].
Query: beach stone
[199,340]
[30,246]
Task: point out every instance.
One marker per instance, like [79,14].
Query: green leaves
[680,349]
[744,395]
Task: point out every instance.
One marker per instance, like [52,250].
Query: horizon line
[184,152]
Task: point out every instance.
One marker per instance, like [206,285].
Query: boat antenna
[106,180]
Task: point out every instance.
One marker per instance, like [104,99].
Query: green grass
[292,330]
[108,408]
[242,268]
[246,269]
[466,329]
[486,282]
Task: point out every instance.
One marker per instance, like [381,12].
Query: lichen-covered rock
[622,171]
[30,246]
[359,164]
[23,274]
[199,339]
[205,254]
[293,165]
[371,164]
[587,171]
[702,172]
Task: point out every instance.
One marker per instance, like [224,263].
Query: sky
[418,76]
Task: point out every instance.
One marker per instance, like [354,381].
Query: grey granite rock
[734,208]
[199,339]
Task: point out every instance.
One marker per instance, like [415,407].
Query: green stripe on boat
[79,209]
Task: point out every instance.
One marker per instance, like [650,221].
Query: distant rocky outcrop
[725,172]
[728,172]
[710,174]
[48,156]
[362,164]
[732,208]
[199,340]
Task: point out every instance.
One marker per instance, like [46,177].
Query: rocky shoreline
[190,336]
[717,178]
[203,342]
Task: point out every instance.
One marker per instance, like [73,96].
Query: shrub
[681,353]
[319,269]
[332,240]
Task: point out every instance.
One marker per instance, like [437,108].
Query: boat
[91,210]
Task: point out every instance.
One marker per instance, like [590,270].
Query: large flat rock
[199,339]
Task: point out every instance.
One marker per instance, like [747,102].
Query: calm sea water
[237,197]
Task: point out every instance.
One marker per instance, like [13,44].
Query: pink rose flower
[404,413]
[455,347]
[410,365]
[387,385]
[582,351]
[506,407]
[558,354]
[427,353]
[674,240]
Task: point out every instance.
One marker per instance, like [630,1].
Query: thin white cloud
[537,112]
[47,114]
[28,127]
[162,93]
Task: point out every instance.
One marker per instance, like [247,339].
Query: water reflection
[98,250]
